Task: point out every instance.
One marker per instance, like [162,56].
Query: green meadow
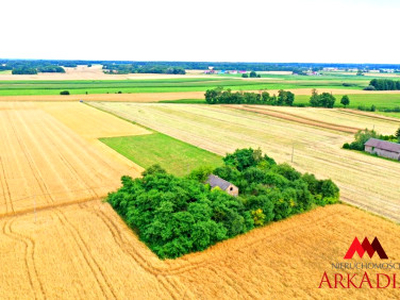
[175,156]
[266,82]
[379,100]
[80,87]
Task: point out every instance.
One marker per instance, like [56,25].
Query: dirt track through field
[366,181]
[86,251]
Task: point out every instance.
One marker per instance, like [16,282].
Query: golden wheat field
[368,182]
[43,162]
[84,251]
[75,247]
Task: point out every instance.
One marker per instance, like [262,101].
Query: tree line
[283,98]
[187,65]
[178,215]
[131,68]
[221,96]
[384,84]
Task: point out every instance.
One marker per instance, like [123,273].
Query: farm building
[215,181]
[383,148]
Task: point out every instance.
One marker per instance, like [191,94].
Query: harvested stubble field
[366,181]
[45,163]
[85,251]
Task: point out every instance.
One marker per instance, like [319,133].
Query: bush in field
[345,100]
[64,93]
[370,88]
[178,215]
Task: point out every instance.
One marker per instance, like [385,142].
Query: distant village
[309,72]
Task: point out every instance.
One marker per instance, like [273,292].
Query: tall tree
[314,99]
[397,134]
[345,100]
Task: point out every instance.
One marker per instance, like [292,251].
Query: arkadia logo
[366,247]
[355,275]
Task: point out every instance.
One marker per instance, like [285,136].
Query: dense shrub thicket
[178,215]
[385,84]
[221,96]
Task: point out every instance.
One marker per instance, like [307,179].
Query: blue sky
[359,31]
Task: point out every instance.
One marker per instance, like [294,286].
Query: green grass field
[390,114]
[80,87]
[175,156]
[367,100]
[268,81]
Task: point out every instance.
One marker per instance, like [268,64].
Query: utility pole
[292,153]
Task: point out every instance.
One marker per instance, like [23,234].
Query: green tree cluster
[24,71]
[51,69]
[178,215]
[221,96]
[385,84]
[322,100]
[147,68]
[362,136]
[253,74]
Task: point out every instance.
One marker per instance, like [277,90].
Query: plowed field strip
[298,119]
[304,118]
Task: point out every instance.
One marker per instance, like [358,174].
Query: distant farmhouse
[383,148]
[215,181]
